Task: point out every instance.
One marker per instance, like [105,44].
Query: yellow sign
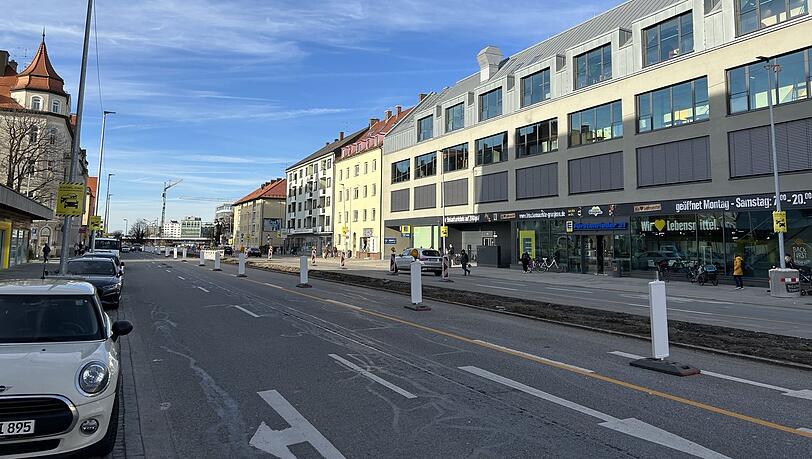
[780,222]
[405,229]
[69,199]
[443,231]
[344,230]
[95,223]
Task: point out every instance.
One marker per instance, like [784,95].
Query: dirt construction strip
[786,350]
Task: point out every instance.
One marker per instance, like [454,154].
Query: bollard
[175,253]
[216,261]
[313,257]
[241,265]
[342,260]
[416,271]
[166,251]
[303,278]
[659,336]
[202,261]
[446,269]
[393,266]
[270,253]
[184,255]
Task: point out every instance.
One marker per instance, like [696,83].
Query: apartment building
[309,202]
[639,135]
[190,227]
[259,215]
[358,227]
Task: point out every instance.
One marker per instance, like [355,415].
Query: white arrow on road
[276,442]
[631,426]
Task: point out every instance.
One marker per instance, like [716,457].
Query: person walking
[525,260]
[464,262]
[738,271]
[46,251]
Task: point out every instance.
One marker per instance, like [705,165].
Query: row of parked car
[60,375]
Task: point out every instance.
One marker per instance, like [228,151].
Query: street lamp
[125,227]
[774,68]
[107,201]
[98,175]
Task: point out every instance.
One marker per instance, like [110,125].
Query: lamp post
[99,174]
[125,227]
[774,68]
[107,201]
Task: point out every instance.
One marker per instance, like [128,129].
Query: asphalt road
[245,367]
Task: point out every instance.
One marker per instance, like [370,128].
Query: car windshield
[103,244]
[42,319]
[431,253]
[97,267]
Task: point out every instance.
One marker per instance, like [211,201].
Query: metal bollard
[184,255]
[303,278]
[216,261]
[202,261]
[416,271]
[241,265]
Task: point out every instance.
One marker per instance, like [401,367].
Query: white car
[432,260]
[59,370]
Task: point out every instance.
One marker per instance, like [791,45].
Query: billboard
[271,224]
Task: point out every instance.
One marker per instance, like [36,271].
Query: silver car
[432,260]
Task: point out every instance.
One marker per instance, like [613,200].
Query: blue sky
[224,94]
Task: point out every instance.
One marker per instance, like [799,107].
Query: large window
[401,171]
[490,104]
[455,158]
[596,124]
[593,66]
[747,85]
[36,103]
[491,149]
[455,117]
[425,165]
[673,106]
[537,138]
[536,87]
[756,14]
[669,39]
[425,128]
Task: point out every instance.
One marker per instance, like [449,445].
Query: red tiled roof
[8,78]
[40,74]
[373,137]
[275,189]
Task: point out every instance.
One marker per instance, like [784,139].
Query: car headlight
[93,378]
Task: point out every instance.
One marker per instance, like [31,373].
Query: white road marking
[692,312]
[804,429]
[201,288]
[631,426]
[803,393]
[169,270]
[515,284]
[574,290]
[369,375]
[532,356]
[181,278]
[245,311]
[497,287]
[276,442]
[677,299]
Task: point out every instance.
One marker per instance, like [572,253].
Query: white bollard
[303,277]
[416,271]
[184,255]
[241,265]
[217,261]
[202,261]
[175,253]
[659,320]
[166,251]
[446,274]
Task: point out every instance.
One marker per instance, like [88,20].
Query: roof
[92,185]
[621,16]
[40,74]
[8,79]
[373,136]
[275,189]
[46,287]
[334,147]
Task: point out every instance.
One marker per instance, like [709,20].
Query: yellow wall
[372,202]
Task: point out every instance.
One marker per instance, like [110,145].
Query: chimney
[488,59]
[13,64]
[398,108]
[373,121]
[341,135]
[421,96]
[326,143]
[388,114]
[3,61]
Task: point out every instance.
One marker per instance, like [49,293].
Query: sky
[225,94]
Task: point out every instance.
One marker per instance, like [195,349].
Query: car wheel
[108,442]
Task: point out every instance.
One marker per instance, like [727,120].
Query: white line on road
[532,356]
[631,426]
[574,290]
[169,270]
[276,442]
[497,287]
[201,288]
[803,393]
[804,429]
[369,375]
[181,278]
[245,311]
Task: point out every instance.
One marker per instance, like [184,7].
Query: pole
[99,174]
[771,68]
[74,160]
[107,202]
[126,225]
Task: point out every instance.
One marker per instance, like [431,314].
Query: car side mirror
[121,328]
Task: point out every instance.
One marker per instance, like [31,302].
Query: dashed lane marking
[181,278]
[246,311]
[201,288]
[371,376]
[497,287]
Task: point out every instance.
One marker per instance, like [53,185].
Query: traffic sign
[95,223]
[443,231]
[390,241]
[69,199]
[780,222]
[405,231]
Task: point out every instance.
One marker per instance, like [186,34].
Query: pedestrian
[738,271]
[464,262]
[525,262]
[46,251]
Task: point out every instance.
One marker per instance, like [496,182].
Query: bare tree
[31,153]
[117,234]
[139,231]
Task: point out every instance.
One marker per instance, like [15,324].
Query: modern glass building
[637,136]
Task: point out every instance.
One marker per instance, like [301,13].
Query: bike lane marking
[371,376]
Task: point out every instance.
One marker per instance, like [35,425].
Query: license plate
[12,428]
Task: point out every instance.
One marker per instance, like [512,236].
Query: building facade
[17,213]
[358,189]
[259,216]
[309,204]
[190,227]
[637,136]
[224,224]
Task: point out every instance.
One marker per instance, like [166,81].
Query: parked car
[103,274]
[228,251]
[432,260]
[126,249]
[112,256]
[253,252]
[59,369]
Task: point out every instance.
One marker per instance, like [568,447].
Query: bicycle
[551,266]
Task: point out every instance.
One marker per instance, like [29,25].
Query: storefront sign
[570,226]
[595,211]
[801,252]
[780,222]
[390,241]
[510,216]
[463,219]
[662,225]
[744,202]
[556,213]
[600,226]
[648,208]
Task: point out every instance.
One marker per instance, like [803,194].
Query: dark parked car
[103,274]
[228,251]
[253,252]
[110,255]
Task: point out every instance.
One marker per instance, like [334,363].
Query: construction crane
[200,198]
[167,185]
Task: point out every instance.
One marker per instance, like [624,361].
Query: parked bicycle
[544,265]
